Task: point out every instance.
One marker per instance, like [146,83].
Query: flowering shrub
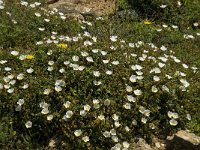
[94,92]
[172,11]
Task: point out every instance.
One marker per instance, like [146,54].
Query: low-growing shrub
[93,89]
[180,12]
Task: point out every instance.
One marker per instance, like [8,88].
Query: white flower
[62,70]
[131,98]
[159,30]
[67,104]
[113,38]
[37,14]
[77,132]
[164,59]
[125,144]
[137,92]
[147,112]
[41,29]
[188,117]
[144,120]
[28,124]
[87,107]
[44,105]
[113,132]
[49,117]
[75,58]
[81,68]
[106,134]
[8,69]
[6,86]
[134,122]
[163,6]
[23,3]
[156,78]
[50,68]
[14,53]
[115,139]
[127,129]
[50,63]
[6,79]
[107,102]
[45,111]
[165,26]
[165,88]
[30,70]
[175,27]
[69,114]
[115,62]
[196,24]
[96,73]
[127,106]
[89,59]
[109,72]
[185,66]
[85,139]
[84,54]
[20,102]
[184,82]
[58,88]
[163,48]
[97,82]
[131,45]
[129,88]
[179,3]
[25,86]
[47,91]
[95,50]
[105,61]
[154,89]
[117,124]
[10,90]
[83,112]
[101,117]
[11,76]
[161,65]
[87,43]
[66,62]
[173,122]
[115,117]
[103,53]
[47,20]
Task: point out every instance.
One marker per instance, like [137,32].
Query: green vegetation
[98,83]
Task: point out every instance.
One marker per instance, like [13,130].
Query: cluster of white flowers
[2,4]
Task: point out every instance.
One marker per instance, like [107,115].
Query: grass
[21,31]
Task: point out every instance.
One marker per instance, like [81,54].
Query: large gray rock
[84,7]
[183,140]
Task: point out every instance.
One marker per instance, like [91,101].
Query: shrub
[173,11]
[94,90]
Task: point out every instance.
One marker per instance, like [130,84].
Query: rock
[183,140]
[140,145]
[84,7]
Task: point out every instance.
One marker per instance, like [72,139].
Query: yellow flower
[147,22]
[29,57]
[62,45]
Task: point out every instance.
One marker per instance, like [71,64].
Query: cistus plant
[172,11]
[93,90]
